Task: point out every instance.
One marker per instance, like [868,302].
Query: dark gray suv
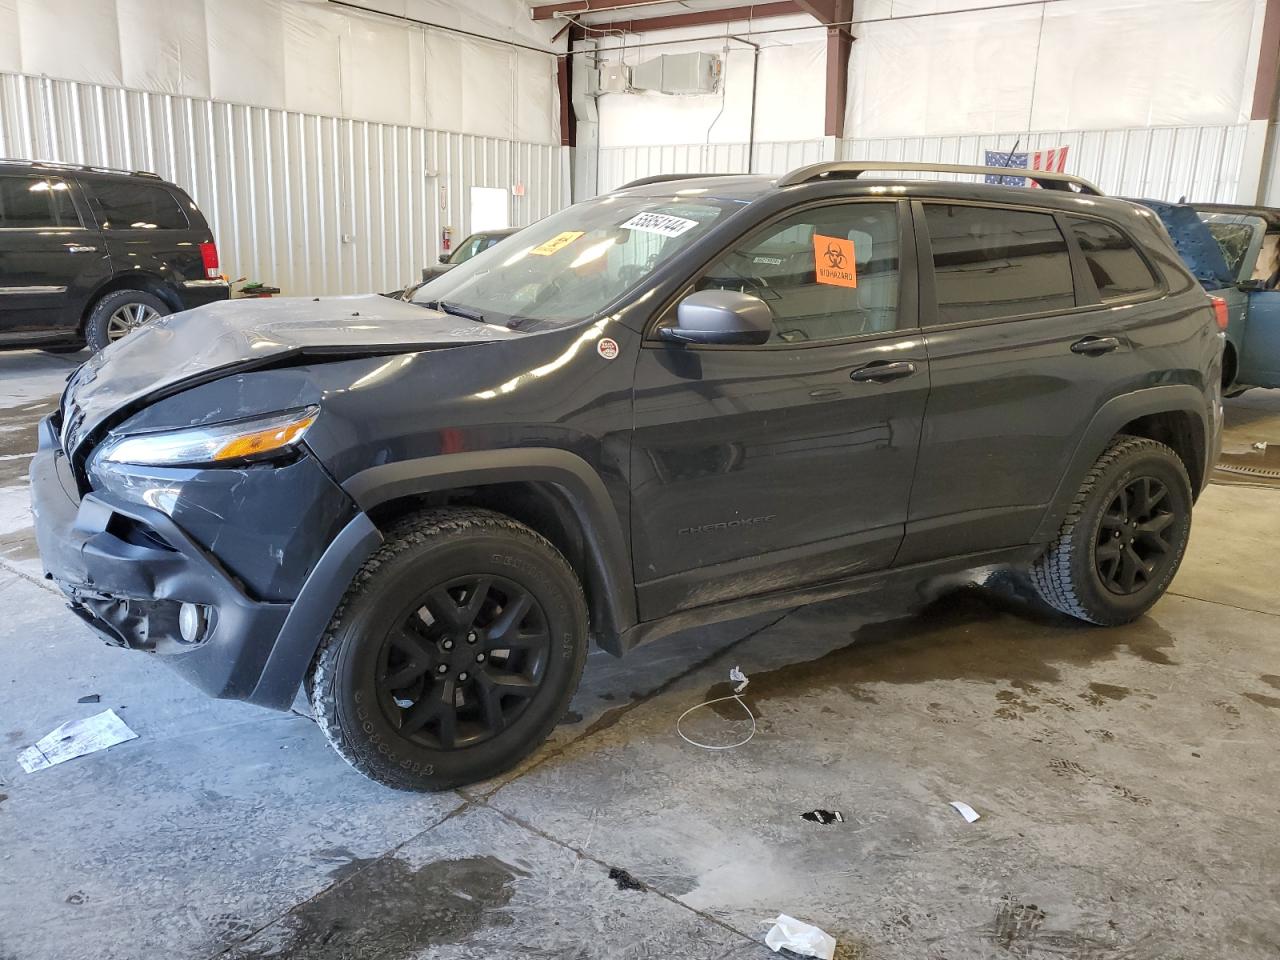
[692,399]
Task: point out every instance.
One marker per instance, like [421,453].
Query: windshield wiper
[445,307]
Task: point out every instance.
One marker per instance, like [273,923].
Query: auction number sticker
[556,243]
[834,261]
[663,224]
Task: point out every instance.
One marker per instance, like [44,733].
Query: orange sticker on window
[556,243]
[834,262]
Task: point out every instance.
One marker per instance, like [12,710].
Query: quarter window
[132,206]
[1118,269]
[826,273]
[36,202]
[990,263]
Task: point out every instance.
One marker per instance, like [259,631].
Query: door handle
[1095,346]
[882,371]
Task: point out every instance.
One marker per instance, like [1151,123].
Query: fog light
[192,622]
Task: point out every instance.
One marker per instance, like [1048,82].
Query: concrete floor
[1128,783]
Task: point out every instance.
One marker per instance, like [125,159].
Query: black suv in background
[690,400]
[89,254]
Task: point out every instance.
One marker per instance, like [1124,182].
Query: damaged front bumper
[128,569]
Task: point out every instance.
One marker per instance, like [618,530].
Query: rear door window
[990,262]
[1117,268]
[135,206]
[27,202]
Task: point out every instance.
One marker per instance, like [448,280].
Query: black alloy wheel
[1133,545]
[464,662]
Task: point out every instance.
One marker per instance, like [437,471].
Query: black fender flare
[1106,423]
[579,486]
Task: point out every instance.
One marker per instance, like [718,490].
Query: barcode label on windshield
[662,224]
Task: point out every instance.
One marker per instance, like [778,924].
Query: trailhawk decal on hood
[194,345]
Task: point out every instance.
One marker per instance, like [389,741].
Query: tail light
[1219,311]
[209,256]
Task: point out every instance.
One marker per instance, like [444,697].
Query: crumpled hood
[210,341]
[1194,243]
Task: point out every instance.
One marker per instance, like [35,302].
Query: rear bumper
[196,293]
[127,568]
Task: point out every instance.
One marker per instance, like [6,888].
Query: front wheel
[1123,537]
[454,652]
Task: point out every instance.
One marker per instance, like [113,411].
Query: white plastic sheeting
[314,204]
[1080,64]
[1202,163]
[303,56]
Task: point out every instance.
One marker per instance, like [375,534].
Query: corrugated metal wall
[1166,163]
[313,204]
[618,165]
[1163,163]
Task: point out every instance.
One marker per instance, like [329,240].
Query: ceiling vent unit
[613,78]
[679,73]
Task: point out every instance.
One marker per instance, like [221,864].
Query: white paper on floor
[965,811]
[800,938]
[75,739]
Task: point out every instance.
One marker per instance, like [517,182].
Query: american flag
[1052,159]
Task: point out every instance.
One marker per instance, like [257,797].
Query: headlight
[217,443]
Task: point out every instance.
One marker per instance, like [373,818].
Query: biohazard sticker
[833,261]
[663,224]
[607,348]
[556,243]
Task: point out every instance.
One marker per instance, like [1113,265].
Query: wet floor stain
[1100,693]
[1263,700]
[393,911]
[1271,680]
[970,634]
[19,545]
[1256,466]
[18,426]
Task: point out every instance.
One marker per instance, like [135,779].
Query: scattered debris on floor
[824,816]
[90,698]
[802,939]
[76,738]
[624,880]
[966,811]
[736,676]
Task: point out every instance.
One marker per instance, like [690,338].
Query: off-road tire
[425,547]
[95,328]
[1066,576]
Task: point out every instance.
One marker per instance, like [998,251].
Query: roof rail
[852,169]
[81,167]
[668,177]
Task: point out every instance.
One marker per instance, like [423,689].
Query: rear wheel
[454,652]
[120,313]
[1123,537]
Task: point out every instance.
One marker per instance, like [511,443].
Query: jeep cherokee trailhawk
[691,399]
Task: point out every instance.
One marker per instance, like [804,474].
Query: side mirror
[1252,285]
[721,316]
[444,258]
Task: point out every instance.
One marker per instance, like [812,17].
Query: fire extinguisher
[446,239]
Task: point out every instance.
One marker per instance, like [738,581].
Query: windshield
[575,263]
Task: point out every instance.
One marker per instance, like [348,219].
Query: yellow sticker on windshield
[556,243]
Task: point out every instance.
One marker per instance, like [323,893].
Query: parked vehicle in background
[695,399]
[1234,251]
[88,254]
[476,243]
